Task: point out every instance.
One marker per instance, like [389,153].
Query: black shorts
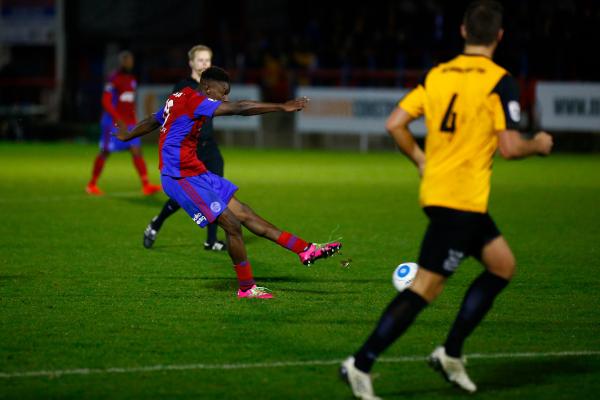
[453,235]
[208,152]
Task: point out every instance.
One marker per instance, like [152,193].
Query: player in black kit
[200,58]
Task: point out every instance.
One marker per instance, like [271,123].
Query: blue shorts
[204,197]
[110,143]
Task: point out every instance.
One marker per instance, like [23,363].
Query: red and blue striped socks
[292,242]
[244,275]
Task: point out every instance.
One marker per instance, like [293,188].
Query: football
[404,274]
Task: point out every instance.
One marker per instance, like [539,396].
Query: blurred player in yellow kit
[471,109]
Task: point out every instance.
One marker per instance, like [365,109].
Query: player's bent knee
[240,211]
[246,213]
[230,224]
[499,259]
[234,227]
[512,271]
[428,284]
[504,268]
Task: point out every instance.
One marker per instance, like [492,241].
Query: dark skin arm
[250,107]
[242,107]
[143,127]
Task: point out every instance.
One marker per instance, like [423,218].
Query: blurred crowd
[281,45]
[545,39]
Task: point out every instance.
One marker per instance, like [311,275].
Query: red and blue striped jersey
[118,99]
[182,117]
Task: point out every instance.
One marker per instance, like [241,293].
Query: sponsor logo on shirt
[199,218]
[127,97]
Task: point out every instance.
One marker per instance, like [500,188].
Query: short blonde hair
[199,47]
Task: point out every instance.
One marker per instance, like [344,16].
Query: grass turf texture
[78,290]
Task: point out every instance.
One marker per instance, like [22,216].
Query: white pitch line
[276,364]
[491,356]
[70,197]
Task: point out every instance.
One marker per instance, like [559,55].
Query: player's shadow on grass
[285,279]
[164,245]
[515,372]
[328,292]
[146,201]
[229,283]
[7,278]
[497,376]
[196,241]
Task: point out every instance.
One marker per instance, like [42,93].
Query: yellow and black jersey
[466,102]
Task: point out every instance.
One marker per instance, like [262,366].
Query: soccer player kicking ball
[118,102]
[207,197]
[200,58]
[471,109]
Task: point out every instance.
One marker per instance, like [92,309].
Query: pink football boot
[316,251]
[255,292]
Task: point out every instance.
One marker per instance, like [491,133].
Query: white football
[404,274]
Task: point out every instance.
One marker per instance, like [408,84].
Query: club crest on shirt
[215,206]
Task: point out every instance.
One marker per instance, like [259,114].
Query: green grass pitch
[78,290]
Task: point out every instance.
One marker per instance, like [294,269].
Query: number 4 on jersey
[449,121]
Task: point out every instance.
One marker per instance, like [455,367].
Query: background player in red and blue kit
[205,196]
[118,102]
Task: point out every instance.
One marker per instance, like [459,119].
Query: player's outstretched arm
[250,107]
[397,127]
[513,146]
[142,128]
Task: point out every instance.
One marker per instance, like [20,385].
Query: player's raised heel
[255,292]
[316,251]
[359,382]
[150,235]
[451,368]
